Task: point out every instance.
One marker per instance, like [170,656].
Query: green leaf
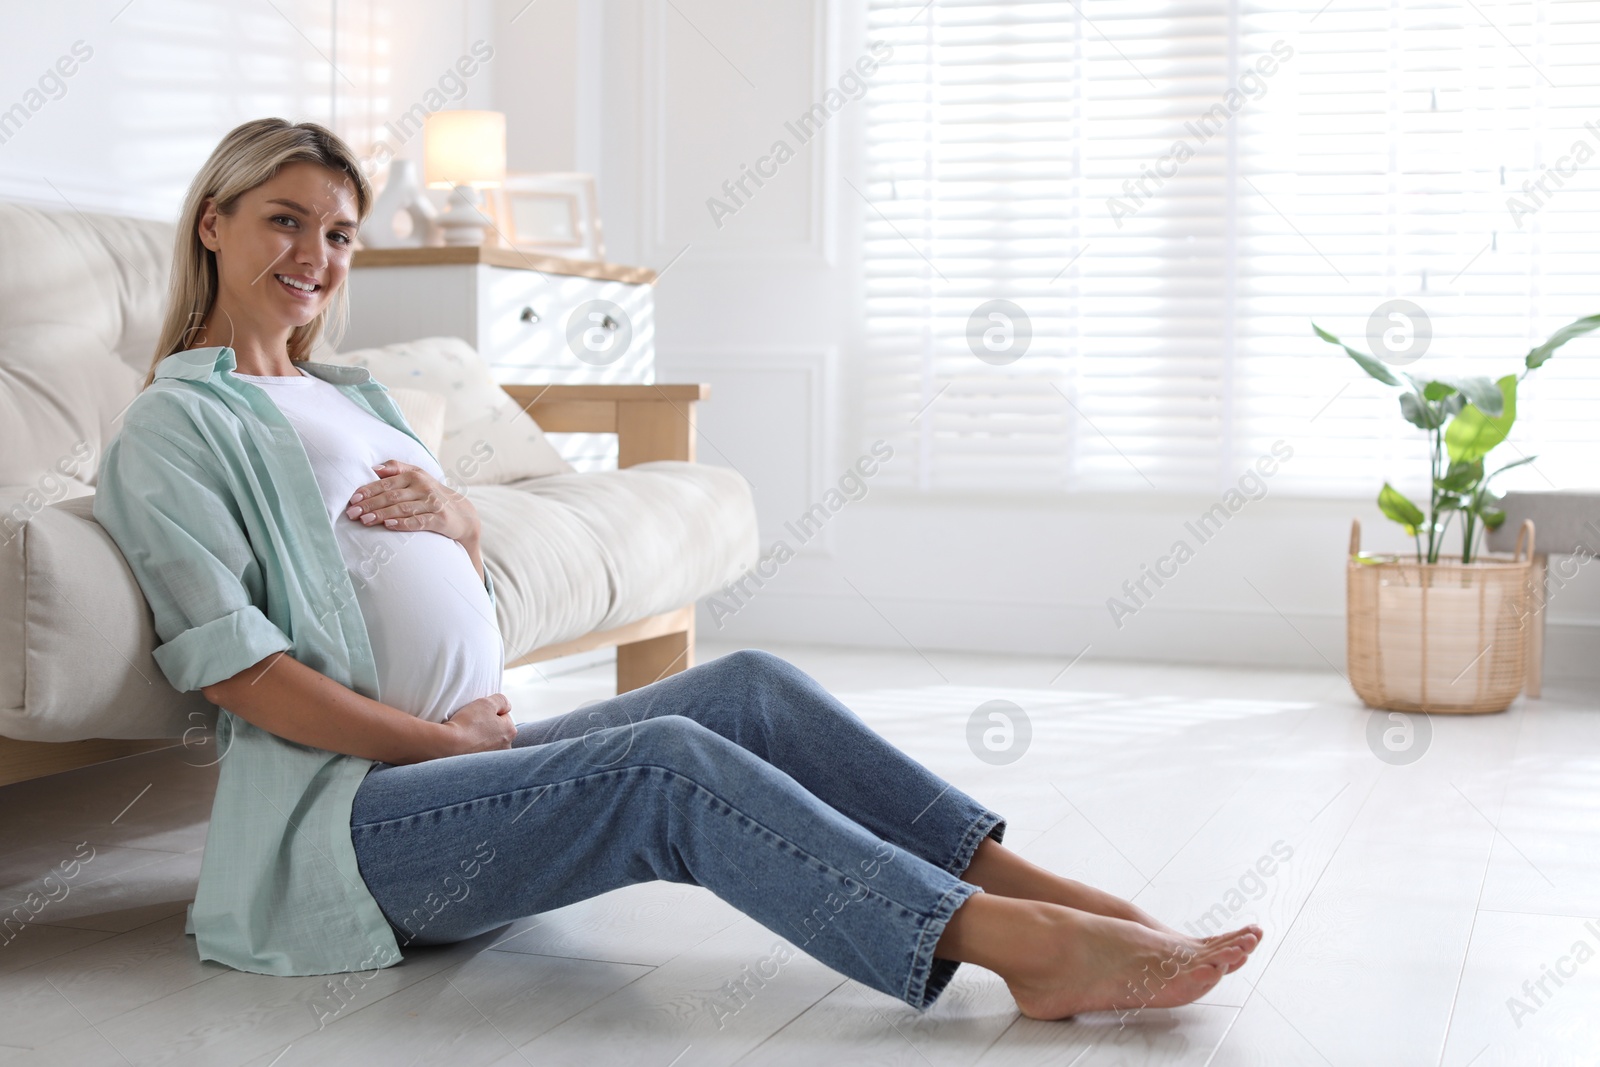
[1393,503]
[1437,390]
[1480,392]
[1375,367]
[1537,356]
[1473,433]
[1492,518]
[1418,413]
[1461,477]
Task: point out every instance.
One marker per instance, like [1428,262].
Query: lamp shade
[465,148]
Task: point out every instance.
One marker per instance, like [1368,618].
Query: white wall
[165,79]
[665,101]
[766,309]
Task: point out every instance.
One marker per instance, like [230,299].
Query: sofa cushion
[488,438]
[574,553]
[83,299]
[76,636]
[568,554]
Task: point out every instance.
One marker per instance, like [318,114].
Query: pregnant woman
[311,574]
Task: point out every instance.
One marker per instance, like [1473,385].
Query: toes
[1234,958]
[1229,960]
[1246,937]
[1238,955]
[1206,976]
[1230,935]
[1222,962]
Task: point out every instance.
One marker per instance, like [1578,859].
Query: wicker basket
[1438,637]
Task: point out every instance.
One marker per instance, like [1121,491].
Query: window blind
[1171,192]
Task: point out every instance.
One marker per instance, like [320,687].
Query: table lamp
[464,151]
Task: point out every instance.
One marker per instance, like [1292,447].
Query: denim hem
[929,976]
[987,824]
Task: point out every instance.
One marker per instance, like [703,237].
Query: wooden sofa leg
[643,662]
[21,761]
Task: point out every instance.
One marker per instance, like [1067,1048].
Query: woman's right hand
[485,725]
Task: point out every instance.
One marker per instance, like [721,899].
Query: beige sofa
[579,561]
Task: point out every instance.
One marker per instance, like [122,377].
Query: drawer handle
[529,315]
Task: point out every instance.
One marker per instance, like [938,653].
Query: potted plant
[1445,633]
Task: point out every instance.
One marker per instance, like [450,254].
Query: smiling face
[282,253]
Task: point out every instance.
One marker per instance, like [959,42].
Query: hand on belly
[407,497]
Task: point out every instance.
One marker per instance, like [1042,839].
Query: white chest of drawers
[533,318]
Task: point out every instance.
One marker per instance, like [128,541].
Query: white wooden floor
[1415,902]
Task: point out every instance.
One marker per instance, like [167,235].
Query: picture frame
[552,213]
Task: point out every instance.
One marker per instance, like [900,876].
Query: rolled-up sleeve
[179,529]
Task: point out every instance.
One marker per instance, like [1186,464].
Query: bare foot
[1091,962]
[1246,937]
[998,870]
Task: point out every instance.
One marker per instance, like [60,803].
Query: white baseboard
[1159,633]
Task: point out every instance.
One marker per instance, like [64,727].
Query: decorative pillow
[488,439]
[425,412]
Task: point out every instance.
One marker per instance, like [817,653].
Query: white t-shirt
[434,635]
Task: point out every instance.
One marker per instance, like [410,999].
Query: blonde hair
[250,155]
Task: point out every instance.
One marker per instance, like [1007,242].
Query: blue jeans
[742,775]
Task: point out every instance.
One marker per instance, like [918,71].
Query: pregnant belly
[434,635]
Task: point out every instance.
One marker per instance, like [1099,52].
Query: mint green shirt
[208,493]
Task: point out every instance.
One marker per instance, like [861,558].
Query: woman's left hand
[406,497]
